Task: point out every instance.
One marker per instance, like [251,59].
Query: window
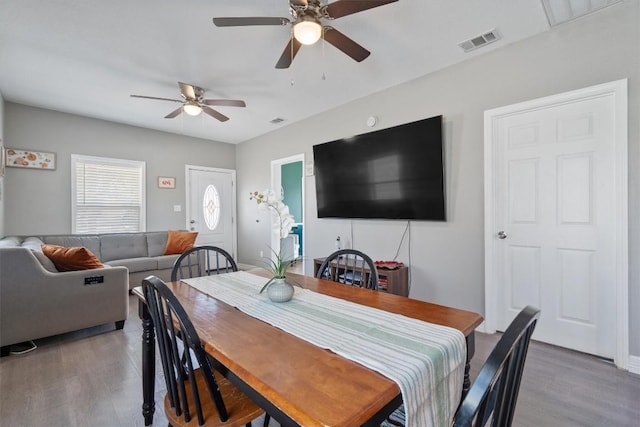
[211,207]
[108,195]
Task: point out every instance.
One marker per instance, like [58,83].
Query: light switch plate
[177,208]
[308,169]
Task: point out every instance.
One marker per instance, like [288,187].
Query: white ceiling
[87,57]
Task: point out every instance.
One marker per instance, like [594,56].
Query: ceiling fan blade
[189,91]
[213,113]
[345,44]
[153,97]
[341,8]
[289,53]
[173,114]
[244,21]
[225,102]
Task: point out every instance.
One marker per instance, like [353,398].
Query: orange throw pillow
[71,258]
[179,241]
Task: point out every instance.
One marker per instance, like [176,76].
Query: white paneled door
[555,230]
[211,206]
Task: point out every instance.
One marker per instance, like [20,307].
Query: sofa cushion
[71,259]
[47,264]
[32,243]
[123,246]
[90,241]
[10,242]
[156,241]
[179,241]
[35,245]
[165,262]
[135,264]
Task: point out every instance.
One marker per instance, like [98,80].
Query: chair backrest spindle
[494,393]
[351,267]
[200,260]
[173,325]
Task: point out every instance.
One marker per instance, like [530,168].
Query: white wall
[447,259]
[39,202]
[2,196]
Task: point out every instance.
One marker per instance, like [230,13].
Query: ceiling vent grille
[276,120]
[479,41]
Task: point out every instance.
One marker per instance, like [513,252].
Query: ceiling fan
[193,102]
[308,28]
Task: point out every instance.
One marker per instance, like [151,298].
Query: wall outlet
[177,208]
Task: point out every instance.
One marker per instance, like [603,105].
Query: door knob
[502,235]
[193,221]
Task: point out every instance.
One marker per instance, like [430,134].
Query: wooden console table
[394,281]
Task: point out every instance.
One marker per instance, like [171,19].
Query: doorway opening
[287,176]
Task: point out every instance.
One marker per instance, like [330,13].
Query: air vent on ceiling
[479,41]
[561,11]
[276,120]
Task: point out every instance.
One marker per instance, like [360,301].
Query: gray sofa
[38,301]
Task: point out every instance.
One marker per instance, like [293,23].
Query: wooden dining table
[296,382]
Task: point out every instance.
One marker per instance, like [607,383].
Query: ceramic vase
[280,291]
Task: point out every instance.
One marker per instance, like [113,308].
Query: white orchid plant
[282,222]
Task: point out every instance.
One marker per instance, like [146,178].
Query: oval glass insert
[211,207]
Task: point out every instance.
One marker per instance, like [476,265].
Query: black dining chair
[493,395]
[195,391]
[202,261]
[351,267]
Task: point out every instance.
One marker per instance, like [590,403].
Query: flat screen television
[393,173]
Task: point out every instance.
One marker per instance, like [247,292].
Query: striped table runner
[425,360]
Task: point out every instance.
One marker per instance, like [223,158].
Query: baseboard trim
[245,267]
[634,361]
[634,364]
[482,327]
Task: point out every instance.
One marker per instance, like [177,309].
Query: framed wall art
[166,182]
[30,159]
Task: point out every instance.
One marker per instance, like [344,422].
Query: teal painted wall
[292,186]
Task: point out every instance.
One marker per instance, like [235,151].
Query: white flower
[281,224]
[269,199]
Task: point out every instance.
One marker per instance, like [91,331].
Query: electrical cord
[353,245]
[407,229]
[401,240]
[410,262]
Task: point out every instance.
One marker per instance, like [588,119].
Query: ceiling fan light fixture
[307,30]
[192,108]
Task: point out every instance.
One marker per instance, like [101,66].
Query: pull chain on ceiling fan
[193,102]
[307,25]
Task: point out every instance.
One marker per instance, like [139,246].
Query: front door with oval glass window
[211,206]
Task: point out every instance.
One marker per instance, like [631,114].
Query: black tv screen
[393,173]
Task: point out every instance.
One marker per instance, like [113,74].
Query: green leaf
[267,284]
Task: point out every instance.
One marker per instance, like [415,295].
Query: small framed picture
[30,159]
[166,182]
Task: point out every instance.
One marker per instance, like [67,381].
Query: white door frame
[187,168]
[276,185]
[617,90]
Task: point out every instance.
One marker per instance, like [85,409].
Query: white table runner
[425,360]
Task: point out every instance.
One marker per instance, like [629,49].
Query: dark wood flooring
[92,378]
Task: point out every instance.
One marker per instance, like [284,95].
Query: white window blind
[108,195]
